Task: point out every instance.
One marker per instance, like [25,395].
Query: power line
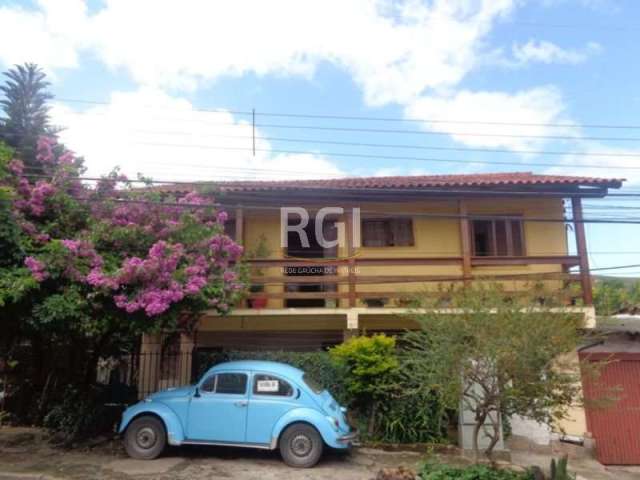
[455,149]
[394,145]
[367,118]
[462,134]
[397,131]
[383,157]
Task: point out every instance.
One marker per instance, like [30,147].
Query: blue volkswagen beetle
[255,404]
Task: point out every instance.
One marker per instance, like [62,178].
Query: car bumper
[348,439]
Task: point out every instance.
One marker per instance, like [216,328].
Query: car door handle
[242,403]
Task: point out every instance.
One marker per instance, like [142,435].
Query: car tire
[301,445]
[145,438]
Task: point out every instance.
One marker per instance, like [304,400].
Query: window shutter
[374,233]
[516,237]
[402,232]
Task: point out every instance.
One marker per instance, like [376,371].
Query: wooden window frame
[494,242]
[388,220]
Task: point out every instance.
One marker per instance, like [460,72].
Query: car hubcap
[146,437]
[301,445]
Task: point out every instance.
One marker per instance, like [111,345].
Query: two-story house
[354,267]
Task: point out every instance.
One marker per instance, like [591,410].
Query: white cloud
[50,36]
[393,50]
[548,52]
[501,112]
[612,166]
[401,170]
[162,136]
[410,52]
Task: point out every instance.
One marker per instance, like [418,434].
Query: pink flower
[39,195]
[16,167]
[67,158]
[222,217]
[72,245]
[45,149]
[193,198]
[42,237]
[37,268]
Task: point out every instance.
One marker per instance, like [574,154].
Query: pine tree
[26,113]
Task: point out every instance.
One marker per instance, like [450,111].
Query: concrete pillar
[185,358]
[149,364]
[352,329]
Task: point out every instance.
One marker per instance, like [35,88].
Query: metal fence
[148,372]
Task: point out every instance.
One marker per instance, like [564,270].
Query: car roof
[276,368]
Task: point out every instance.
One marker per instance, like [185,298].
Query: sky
[167,88]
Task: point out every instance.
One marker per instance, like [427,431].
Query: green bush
[437,471]
[367,364]
[317,365]
[413,418]
[81,414]
[400,418]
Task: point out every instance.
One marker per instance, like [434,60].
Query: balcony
[345,282]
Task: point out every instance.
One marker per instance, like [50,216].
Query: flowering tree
[99,264]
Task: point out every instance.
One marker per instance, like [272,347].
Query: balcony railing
[345,283]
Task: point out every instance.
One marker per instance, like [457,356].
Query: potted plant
[261,251]
[257,301]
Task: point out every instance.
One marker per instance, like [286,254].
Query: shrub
[431,471]
[402,417]
[368,365]
[413,418]
[81,414]
[317,365]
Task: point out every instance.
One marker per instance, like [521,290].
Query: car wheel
[301,445]
[145,438]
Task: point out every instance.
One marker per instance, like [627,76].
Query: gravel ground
[25,455]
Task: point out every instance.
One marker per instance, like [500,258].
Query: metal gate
[615,427]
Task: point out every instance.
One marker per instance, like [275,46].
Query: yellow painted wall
[575,423]
[433,238]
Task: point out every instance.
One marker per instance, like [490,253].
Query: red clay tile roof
[418,181]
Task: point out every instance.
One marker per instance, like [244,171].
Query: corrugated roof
[399,182]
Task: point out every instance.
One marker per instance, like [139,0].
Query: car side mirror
[196,394]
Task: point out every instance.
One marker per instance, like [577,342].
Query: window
[270,385]
[395,232]
[231,383]
[209,385]
[497,238]
[225,383]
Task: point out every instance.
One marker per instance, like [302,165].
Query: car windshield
[312,384]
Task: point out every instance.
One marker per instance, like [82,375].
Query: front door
[219,414]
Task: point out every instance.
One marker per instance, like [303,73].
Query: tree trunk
[495,424]
[372,419]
